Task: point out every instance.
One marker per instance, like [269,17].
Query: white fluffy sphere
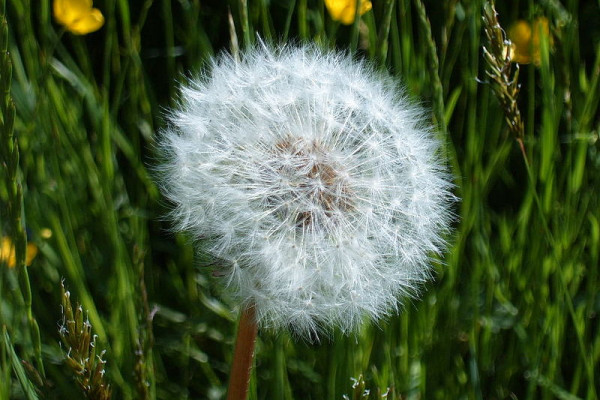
[315,180]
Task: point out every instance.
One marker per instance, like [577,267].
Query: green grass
[514,309]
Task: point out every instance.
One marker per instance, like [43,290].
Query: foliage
[513,312]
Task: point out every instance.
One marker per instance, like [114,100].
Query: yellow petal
[526,40]
[520,36]
[344,11]
[365,6]
[7,252]
[32,251]
[541,29]
[78,16]
[8,255]
[517,55]
[88,23]
[66,11]
[46,233]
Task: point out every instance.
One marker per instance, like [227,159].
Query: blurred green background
[512,313]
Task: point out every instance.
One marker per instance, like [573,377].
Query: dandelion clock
[314,180]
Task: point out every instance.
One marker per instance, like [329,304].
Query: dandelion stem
[243,355]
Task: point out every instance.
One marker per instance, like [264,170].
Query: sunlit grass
[514,307]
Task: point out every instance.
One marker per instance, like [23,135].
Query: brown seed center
[314,189]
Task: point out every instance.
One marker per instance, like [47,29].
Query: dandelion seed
[325,212]
[78,16]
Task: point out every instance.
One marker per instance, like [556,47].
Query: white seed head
[316,181]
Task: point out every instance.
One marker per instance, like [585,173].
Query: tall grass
[514,309]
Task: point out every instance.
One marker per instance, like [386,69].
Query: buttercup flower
[526,40]
[344,11]
[8,256]
[315,181]
[78,16]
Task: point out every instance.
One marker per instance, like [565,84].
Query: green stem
[434,67]
[9,157]
[561,279]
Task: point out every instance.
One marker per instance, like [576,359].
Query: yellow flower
[78,16]
[7,253]
[345,10]
[526,40]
